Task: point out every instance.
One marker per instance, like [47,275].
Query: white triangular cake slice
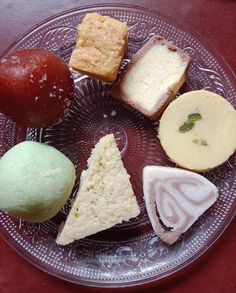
[105,197]
[175,199]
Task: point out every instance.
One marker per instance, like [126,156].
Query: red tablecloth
[215,271]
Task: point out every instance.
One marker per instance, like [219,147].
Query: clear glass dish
[130,253]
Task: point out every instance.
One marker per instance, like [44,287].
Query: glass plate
[129,253]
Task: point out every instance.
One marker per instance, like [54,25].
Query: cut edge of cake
[164,99]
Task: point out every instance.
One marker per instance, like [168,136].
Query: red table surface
[215,271]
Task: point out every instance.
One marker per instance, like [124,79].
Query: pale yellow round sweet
[210,141]
[36,181]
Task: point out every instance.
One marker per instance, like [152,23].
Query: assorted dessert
[105,197]
[175,199]
[153,77]
[37,88]
[100,47]
[36,181]
[196,131]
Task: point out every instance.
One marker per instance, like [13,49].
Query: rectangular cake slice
[105,197]
[153,77]
[100,47]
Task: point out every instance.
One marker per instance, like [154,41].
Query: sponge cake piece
[105,197]
[100,47]
[153,77]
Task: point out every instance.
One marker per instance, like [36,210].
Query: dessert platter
[117,146]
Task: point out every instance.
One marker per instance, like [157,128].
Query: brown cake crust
[118,92]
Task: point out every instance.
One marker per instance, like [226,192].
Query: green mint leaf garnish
[76,214]
[189,124]
[200,141]
[194,117]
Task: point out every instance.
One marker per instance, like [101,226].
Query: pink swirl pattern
[175,203]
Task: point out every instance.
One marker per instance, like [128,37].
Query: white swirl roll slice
[198,130]
[175,199]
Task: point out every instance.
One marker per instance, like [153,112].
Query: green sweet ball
[35,181]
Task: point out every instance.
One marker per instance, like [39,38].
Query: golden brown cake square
[100,47]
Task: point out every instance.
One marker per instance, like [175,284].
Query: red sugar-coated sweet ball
[36,88]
